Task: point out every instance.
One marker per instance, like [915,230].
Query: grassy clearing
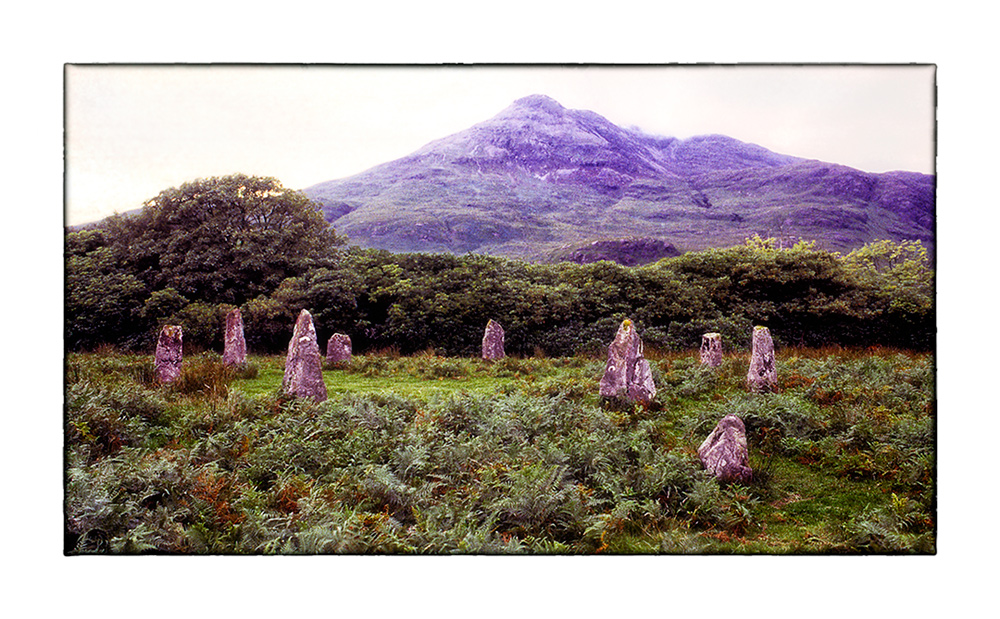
[416,377]
[428,454]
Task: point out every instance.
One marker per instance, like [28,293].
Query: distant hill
[630,251]
[538,179]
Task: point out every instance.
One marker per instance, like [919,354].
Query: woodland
[195,252]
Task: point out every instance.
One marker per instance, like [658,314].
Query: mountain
[539,180]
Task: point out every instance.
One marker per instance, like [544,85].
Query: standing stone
[493,341]
[169,353]
[338,348]
[711,350]
[235,351]
[724,453]
[762,377]
[627,372]
[303,365]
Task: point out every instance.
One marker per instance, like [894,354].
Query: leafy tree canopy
[224,240]
[100,299]
[880,294]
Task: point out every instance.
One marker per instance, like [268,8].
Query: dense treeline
[197,251]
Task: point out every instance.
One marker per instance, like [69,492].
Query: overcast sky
[133,131]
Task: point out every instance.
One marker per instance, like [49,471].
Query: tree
[803,294]
[268,324]
[101,299]
[222,240]
[898,285]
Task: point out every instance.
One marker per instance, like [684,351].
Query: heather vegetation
[430,454]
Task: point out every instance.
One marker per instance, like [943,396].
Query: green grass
[394,377]
[428,454]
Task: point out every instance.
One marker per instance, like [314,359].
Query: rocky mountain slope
[538,180]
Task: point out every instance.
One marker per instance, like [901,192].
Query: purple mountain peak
[541,103]
[539,175]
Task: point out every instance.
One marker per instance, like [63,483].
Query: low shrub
[539,501]
[136,501]
[789,415]
[902,527]
[512,366]
[108,366]
[370,365]
[106,419]
[205,375]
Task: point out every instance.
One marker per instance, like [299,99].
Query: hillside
[538,180]
[628,251]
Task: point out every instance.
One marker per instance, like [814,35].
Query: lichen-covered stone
[627,373]
[338,348]
[762,377]
[303,364]
[493,341]
[641,387]
[711,350]
[724,453]
[235,348]
[169,353]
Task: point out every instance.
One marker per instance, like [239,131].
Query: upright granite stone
[303,365]
[711,350]
[338,348]
[493,341]
[235,351]
[762,377]
[627,372]
[169,353]
[724,453]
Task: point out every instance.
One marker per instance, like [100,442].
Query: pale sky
[134,130]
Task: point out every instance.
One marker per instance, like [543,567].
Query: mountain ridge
[539,177]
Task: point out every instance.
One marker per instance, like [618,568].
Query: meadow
[428,454]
